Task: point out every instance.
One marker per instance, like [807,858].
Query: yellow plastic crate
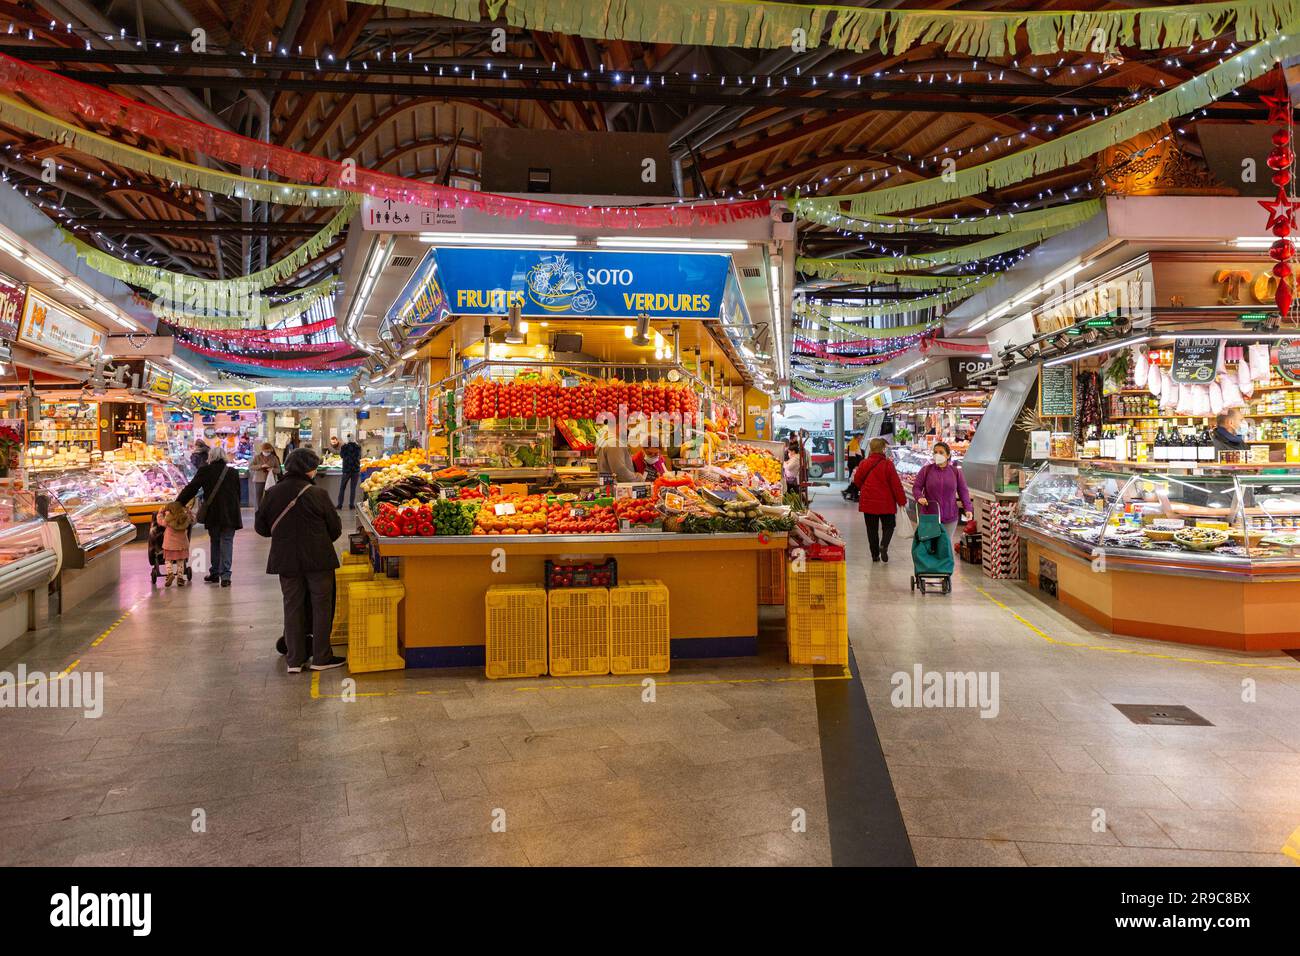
[347,558]
[771,577]
[345,577]
[816,619]
[638,628]
[516,630]
[579,625]
[372,625]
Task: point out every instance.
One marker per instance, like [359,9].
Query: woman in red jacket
[880,495]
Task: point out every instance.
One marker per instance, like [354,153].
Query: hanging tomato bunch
[1281,218]
[487,399]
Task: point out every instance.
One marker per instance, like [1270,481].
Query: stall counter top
[547,543]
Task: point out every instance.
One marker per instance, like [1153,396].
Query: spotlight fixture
[642,334]
[515,333]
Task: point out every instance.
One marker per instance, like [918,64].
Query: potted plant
[11,444]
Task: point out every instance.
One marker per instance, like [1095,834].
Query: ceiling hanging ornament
[1282,209]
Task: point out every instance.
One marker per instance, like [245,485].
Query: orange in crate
[638,628]
[579,626]
[516,630]
[816,618]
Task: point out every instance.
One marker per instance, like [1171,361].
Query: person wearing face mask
[649,463]
[938,488]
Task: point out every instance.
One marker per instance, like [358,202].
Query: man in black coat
[350,452]
[303,525]
[219,483]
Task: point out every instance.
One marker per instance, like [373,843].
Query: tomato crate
[579,631]
[344,577]
[516,630]
[816,619]
[581,574]
[372,626]
[638,628]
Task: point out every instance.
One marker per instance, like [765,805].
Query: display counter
[93,525]
[1208,559]
[712,581]
[142,487]
[28,562]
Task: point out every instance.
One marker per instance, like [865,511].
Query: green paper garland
[257,312]
[769,26]
[971,252]
[1236,71]
[1073,213]
[150,277]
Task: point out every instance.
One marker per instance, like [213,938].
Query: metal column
[839,440]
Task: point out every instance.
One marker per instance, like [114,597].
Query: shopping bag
[903,524]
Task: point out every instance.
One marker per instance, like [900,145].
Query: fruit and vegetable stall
[703,534]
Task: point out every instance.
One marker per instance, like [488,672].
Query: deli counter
[1211,558]
[29,560]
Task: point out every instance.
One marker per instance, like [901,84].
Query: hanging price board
[1196,361]
[1056,391]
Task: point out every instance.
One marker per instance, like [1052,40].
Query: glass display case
[139,483]
[27,558]
[91,516]
[1213,523]
[522,446]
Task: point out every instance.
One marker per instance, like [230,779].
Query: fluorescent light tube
[497,239]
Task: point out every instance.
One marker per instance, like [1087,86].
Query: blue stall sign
[544,282]
[422,297]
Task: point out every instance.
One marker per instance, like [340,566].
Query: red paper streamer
[951,346]
[851,360]
[262,335]
[101,106]
[334,359]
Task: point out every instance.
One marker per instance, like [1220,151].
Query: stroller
[851,491]
[157,562]
[931,556]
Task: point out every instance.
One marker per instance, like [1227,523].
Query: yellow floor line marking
[607,685]
[1291,847]
[683,683]
[1136,652]
[95,643]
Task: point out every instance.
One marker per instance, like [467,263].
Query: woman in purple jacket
[939,486]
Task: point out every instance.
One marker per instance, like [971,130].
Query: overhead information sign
[570,282]
[223,401]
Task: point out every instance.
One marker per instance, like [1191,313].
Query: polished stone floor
[203,731]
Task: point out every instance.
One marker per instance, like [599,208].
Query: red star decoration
[1281,211]
[1279,108]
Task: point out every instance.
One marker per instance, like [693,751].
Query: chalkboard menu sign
[1288,359]
[1196,361]
[1056,391]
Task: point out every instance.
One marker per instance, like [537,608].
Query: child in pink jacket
[176,520]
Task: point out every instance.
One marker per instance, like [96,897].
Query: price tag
[507,508]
